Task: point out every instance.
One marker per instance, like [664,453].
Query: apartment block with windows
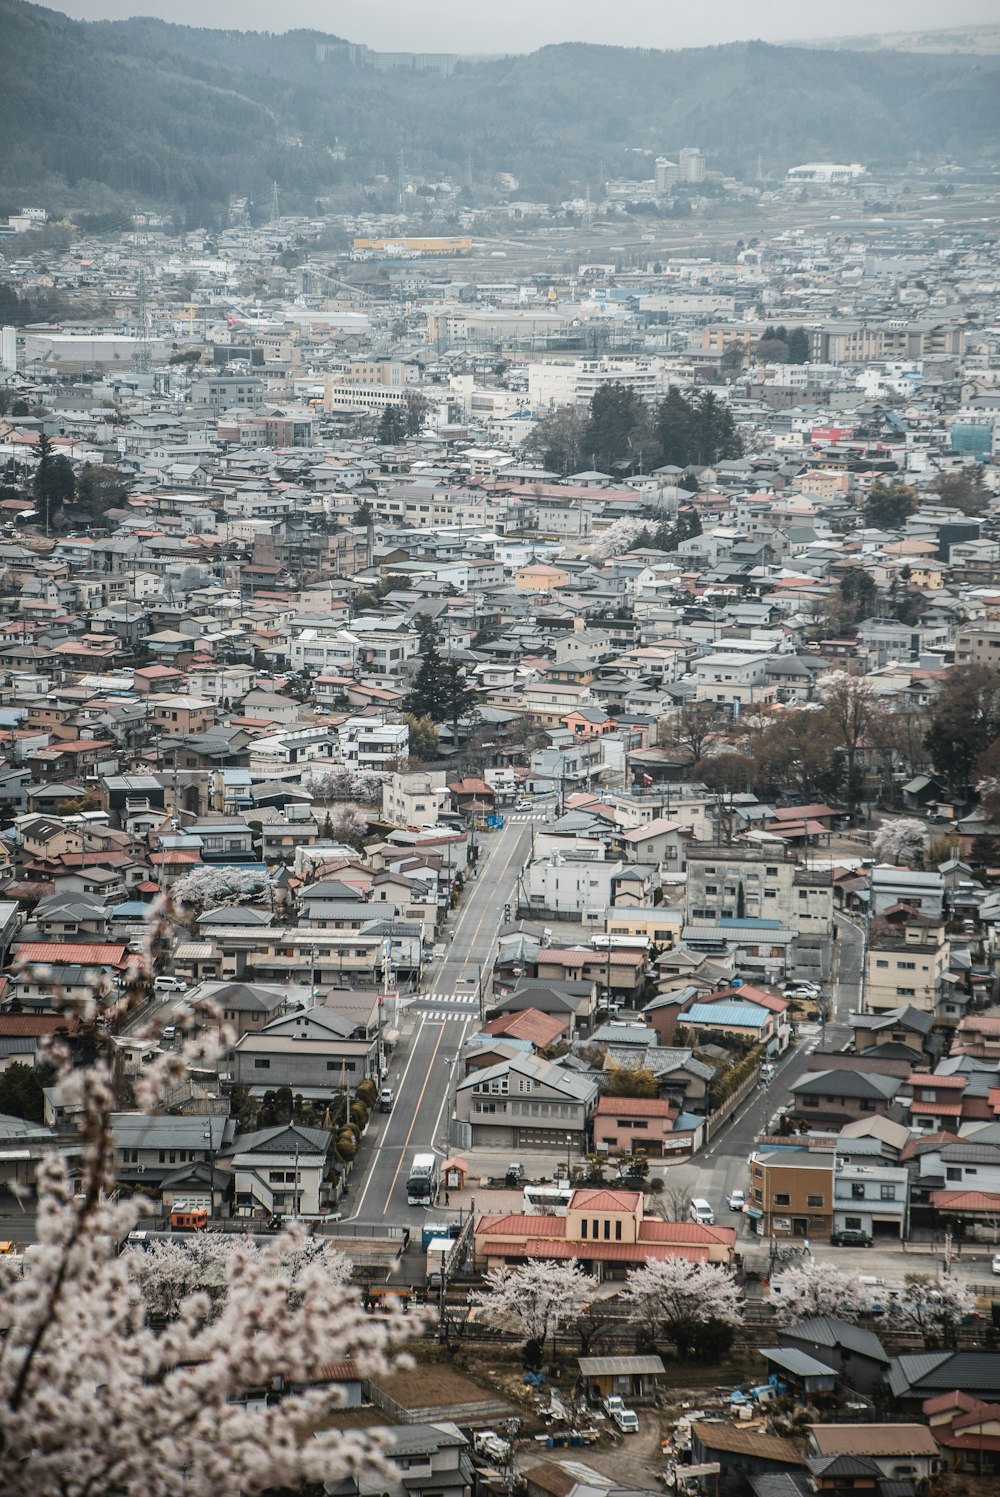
[906,968]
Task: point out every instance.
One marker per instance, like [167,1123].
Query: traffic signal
[506,913]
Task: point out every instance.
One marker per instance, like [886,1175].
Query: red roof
[936,1109]
[965,1200]
[601,1199]
[20,1026]
[747,994]
[927,1078]
[567,957]
[530,1024]
[71,953]
[636,1107]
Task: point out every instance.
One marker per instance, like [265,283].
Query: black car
[851,1237]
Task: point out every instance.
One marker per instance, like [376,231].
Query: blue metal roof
[743,1015]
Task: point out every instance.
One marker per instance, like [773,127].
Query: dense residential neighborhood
[509,738]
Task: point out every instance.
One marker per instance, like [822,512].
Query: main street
[436,1023]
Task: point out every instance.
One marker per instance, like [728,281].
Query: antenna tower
[275,214]
[142,353]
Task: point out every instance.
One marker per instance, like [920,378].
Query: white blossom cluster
[185,1371]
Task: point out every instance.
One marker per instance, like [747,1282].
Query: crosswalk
[464,999]
[530,816]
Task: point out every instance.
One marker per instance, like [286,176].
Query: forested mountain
[192,116]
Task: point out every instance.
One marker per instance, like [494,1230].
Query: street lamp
[569,1145]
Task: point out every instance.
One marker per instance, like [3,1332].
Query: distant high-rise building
[8,350]
[691,164]
[667,176]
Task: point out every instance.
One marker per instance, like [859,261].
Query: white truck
[627,1420]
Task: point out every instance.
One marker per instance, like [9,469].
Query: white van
[701,1212]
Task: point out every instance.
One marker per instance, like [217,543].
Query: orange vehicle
[189,1221]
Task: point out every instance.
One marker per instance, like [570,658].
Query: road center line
[416,1113]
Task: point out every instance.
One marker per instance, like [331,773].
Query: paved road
[438,1020]
[455,981]
[722,1167]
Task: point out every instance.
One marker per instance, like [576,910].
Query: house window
[951,1173]
[810,1101]
[618,1231]
[771,872]
[815,1201]
[888,1192]
[782,1198]
[583,1227]
[858,1191]
[260,1064]
[853,1221]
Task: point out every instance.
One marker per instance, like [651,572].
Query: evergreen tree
[620,430]
[888,504]
[53,484]
[798,346]
[391,426]
[428,692]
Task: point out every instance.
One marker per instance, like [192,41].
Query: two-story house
[316,1052]
[870,1193]
[527,1102]
[284,1171]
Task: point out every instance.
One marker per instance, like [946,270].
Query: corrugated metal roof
[620,1366]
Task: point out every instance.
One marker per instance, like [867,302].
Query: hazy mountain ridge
[192,116]
[974,40]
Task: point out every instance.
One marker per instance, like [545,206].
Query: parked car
[385,1099]
[801,985]
[167,984]
[701,1212]
[737,1200]
[515,1172]
[851,1237]
[995,1265]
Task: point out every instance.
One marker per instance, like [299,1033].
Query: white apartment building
[575,887]
[734,681]
[576,381]
[365,743]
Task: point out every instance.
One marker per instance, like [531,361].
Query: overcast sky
[522,25]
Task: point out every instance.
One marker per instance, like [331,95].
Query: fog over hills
[187,116]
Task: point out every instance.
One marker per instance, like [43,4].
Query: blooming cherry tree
[679,1299]
[899,841]
[168,1271]
[534,1297]
[818,1289]
[95,1400]
[620,536]
[934,1308]
[211,888]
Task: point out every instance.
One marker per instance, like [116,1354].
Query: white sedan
[737,1200]
[995,1265]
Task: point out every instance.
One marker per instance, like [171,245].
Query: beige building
[414,797]
[907,967]
[978,643]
